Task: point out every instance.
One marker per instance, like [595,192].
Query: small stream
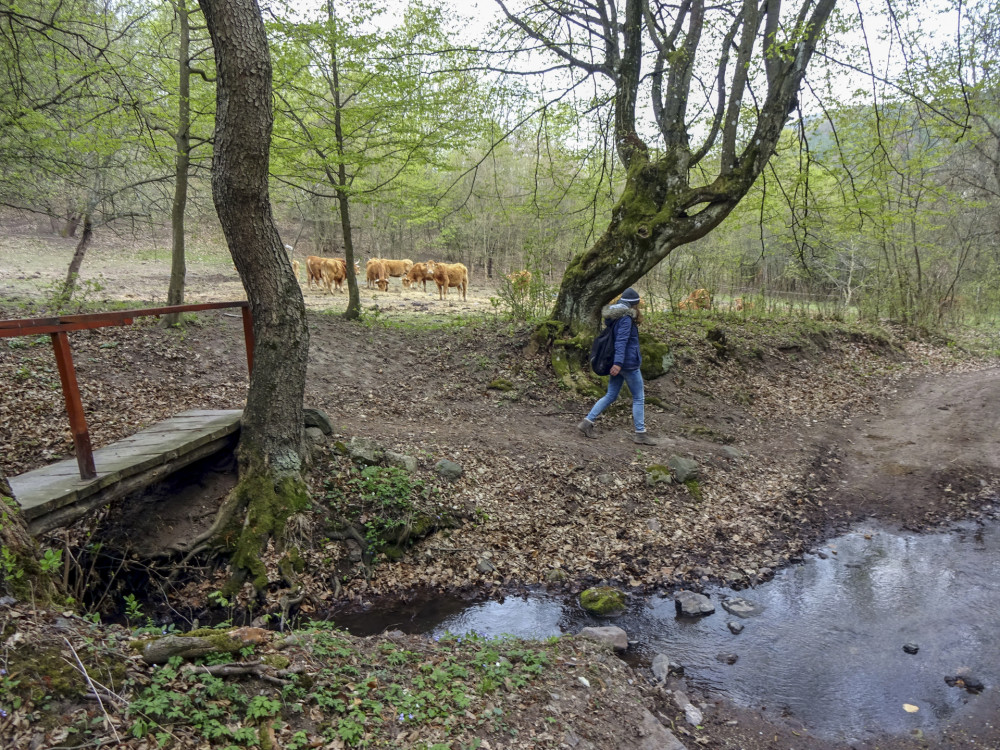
[827,645]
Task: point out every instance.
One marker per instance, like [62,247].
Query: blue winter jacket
[622,317]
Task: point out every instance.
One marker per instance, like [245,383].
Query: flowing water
[827,644]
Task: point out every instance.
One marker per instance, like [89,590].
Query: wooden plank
[66,514]
[44,491]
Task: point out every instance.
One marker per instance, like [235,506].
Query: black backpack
[602,351]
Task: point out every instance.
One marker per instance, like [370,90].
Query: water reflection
[827,647]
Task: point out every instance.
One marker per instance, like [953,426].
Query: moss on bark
[268,502]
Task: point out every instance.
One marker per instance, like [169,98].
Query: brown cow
[295,269]
[418,274]
[375,274]
[699,299]
[396,268]
[449,275]
[334,272]
[314,271]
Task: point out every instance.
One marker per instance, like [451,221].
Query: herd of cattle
[330,273]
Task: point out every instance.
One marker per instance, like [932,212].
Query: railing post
[74,406]
[248,336]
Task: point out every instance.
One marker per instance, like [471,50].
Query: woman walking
[624,315]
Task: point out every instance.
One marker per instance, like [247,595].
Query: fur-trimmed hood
[617,311]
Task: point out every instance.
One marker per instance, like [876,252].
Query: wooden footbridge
[58,494]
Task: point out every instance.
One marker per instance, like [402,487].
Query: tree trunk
[74,265]
[21,575]
[353,311]
[182,141]
[648,223]
[270,451]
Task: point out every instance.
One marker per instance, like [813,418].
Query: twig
[93,688]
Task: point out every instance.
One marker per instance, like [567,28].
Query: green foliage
[51,561]
[387,504]
[10,567]
[365,697]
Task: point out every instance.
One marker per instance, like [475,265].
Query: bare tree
[729,71]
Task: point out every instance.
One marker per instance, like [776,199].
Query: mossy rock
[658,474]
[656,357]
[603,600]
[501,384]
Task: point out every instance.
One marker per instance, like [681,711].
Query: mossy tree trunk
[660,209]
[271,448]
[21,575]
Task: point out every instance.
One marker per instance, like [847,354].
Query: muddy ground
[800,430]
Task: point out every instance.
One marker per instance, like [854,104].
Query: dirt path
[925,453]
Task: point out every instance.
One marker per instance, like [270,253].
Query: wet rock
[690,604]
[740,607]
[448,469]
[602,600]
[683,468]
[611,635]
[661,667]
[727,658]
[318,419]
[401,461]
[966,681]
[655,736]
[734,627]
[911,648]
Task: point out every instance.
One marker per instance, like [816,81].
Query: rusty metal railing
[58,327]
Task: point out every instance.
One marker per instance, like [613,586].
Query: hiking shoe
[643,439]
[587,428]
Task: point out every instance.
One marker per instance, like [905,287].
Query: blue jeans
[634,380]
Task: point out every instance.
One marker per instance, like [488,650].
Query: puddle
[827,645]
